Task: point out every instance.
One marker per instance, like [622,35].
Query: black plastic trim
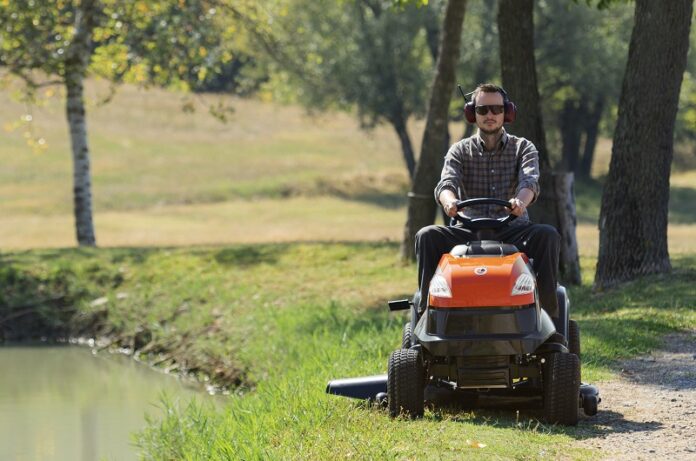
[505,331]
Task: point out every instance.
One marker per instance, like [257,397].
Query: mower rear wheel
[406,383]
[589,405]
[406,337]
[561,376]
[574,338]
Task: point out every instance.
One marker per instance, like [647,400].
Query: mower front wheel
[561,377]
[406,383]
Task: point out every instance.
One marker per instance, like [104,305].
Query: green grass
[283,319]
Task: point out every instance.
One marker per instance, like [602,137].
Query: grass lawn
[227,252]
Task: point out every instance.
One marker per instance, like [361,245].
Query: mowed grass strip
[280,320]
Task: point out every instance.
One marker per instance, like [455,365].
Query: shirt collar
[482,147]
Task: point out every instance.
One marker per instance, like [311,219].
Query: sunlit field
[163,176]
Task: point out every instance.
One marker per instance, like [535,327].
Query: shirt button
[493,187]
[492,171]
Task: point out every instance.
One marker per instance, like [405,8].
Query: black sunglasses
[496,109]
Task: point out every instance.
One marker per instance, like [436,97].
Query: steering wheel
[484,223]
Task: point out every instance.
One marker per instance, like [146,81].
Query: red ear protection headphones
[470,107]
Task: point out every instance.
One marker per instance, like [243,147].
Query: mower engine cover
[482,281]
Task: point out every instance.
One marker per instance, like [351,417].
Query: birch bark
[77,60]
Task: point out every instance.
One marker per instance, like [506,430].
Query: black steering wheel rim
[484,223]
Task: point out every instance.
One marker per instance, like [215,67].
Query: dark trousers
[540,242]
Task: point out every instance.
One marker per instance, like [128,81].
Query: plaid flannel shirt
[472,172]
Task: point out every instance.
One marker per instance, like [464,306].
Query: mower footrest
[474,378]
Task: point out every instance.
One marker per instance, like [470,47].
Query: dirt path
[649,413]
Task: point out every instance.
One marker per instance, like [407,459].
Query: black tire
[406,383]
[561,376]
[574,338]
[406,336]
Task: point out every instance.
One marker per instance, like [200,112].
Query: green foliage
[165,42]
[354,54]
[36,35]
[581,56]
[479,60]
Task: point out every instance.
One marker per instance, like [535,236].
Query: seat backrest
[484,247]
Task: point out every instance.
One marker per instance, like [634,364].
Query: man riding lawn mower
[489,314]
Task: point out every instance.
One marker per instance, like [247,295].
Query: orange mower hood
[484,281]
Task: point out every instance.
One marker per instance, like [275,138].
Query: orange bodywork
[482,281]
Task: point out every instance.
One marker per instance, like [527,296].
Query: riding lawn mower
[482,332]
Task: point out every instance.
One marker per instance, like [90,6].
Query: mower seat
[484,247]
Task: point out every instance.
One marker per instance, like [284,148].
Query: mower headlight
[439,287]
[523,285]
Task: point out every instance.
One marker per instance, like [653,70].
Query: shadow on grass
[390,201]
[248,255]
[682,205]
[588,200]
[526,414]
[38,305]
[663,291]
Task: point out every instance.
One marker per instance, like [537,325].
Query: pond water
[64,403]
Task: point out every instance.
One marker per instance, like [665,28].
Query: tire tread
[561,376]
[406,336]
[405,383]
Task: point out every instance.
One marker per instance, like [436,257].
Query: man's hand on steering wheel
[449,203]
[450,208]
[518,206]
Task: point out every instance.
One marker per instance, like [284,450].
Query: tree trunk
[399,125]
[569,260]
[633,217]
[571,126]
[518,68]
[77,60]
[421,205]
[594,116]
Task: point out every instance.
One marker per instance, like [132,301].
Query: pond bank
[81,300]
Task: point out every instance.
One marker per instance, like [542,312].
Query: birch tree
[61,42]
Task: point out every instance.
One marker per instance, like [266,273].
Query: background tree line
[383,61]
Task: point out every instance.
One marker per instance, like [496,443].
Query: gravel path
[649,413]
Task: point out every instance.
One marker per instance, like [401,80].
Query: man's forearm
[526,196]
[446,196]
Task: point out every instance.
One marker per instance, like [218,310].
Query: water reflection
[63,403]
